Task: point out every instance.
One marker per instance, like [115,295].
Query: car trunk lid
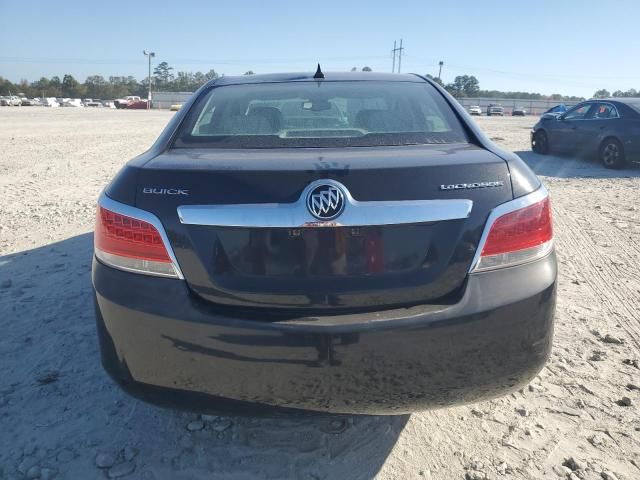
[406,251]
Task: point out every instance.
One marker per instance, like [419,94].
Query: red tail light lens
[524,228]
[128,237]
[518,237]
[131,244]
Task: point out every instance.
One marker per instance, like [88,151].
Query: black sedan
[610,128]
[345,243]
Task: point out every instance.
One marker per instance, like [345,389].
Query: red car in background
[137,105]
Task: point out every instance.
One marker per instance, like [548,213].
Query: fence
[533,107]
[166,99]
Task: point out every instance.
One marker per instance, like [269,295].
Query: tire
[540,143]
[612,153]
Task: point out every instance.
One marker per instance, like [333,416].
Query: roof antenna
[319,73]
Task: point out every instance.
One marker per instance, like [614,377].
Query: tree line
[604,93]
[164,79]
[97,86]
[468,86]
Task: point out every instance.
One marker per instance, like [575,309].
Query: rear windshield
[320,114]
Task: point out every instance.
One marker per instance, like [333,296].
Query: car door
[568,131]
[602,122]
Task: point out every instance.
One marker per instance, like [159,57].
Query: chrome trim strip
[145,216]
[510,206]
[296,215]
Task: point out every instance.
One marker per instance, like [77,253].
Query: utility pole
[150,55]
[399,50]
[440,63]
[393,68]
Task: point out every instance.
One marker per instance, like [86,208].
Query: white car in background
[49,102]
[126,101]
[11,101]
[72,102]
[92,102]
[475,110]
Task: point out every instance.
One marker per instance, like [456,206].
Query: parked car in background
[495,110]
[11,101]
[233,272]
[123,102]
[518,112]
[137,105]
[475,110]
[609,128]
[49,102]
[109,104]
[71,102]
[557,110]
[93,102]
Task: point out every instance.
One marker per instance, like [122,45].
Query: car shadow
[574,166]
[55,398]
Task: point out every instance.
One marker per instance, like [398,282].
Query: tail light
[517,232]
[133,240]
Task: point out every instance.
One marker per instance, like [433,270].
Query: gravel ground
[61,417]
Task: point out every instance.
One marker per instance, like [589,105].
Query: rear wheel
[612,153]
[540,143]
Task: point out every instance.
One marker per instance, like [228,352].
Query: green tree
[435,79]
[162,73]
[367,69]
[95,86]
[602,93]
[71,87]
[211,75]
[629,93]
[56,85]
[249,72]
[464,86]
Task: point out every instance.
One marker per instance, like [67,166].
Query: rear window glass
[320,114]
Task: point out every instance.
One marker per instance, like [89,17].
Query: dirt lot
[61,417]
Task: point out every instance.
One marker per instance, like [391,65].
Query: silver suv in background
[495,110]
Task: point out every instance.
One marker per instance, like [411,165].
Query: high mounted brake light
[133,240]
[517,232]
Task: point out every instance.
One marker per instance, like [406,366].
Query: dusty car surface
[340,242]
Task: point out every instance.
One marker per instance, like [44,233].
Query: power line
[393,67]
[185,61]
[399,50]
[527,75]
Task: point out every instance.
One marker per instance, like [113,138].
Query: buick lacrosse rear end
[345,243]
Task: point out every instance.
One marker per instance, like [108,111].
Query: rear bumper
[164,345]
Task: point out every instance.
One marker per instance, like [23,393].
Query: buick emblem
[326,201]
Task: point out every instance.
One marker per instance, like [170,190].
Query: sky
[572,47]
